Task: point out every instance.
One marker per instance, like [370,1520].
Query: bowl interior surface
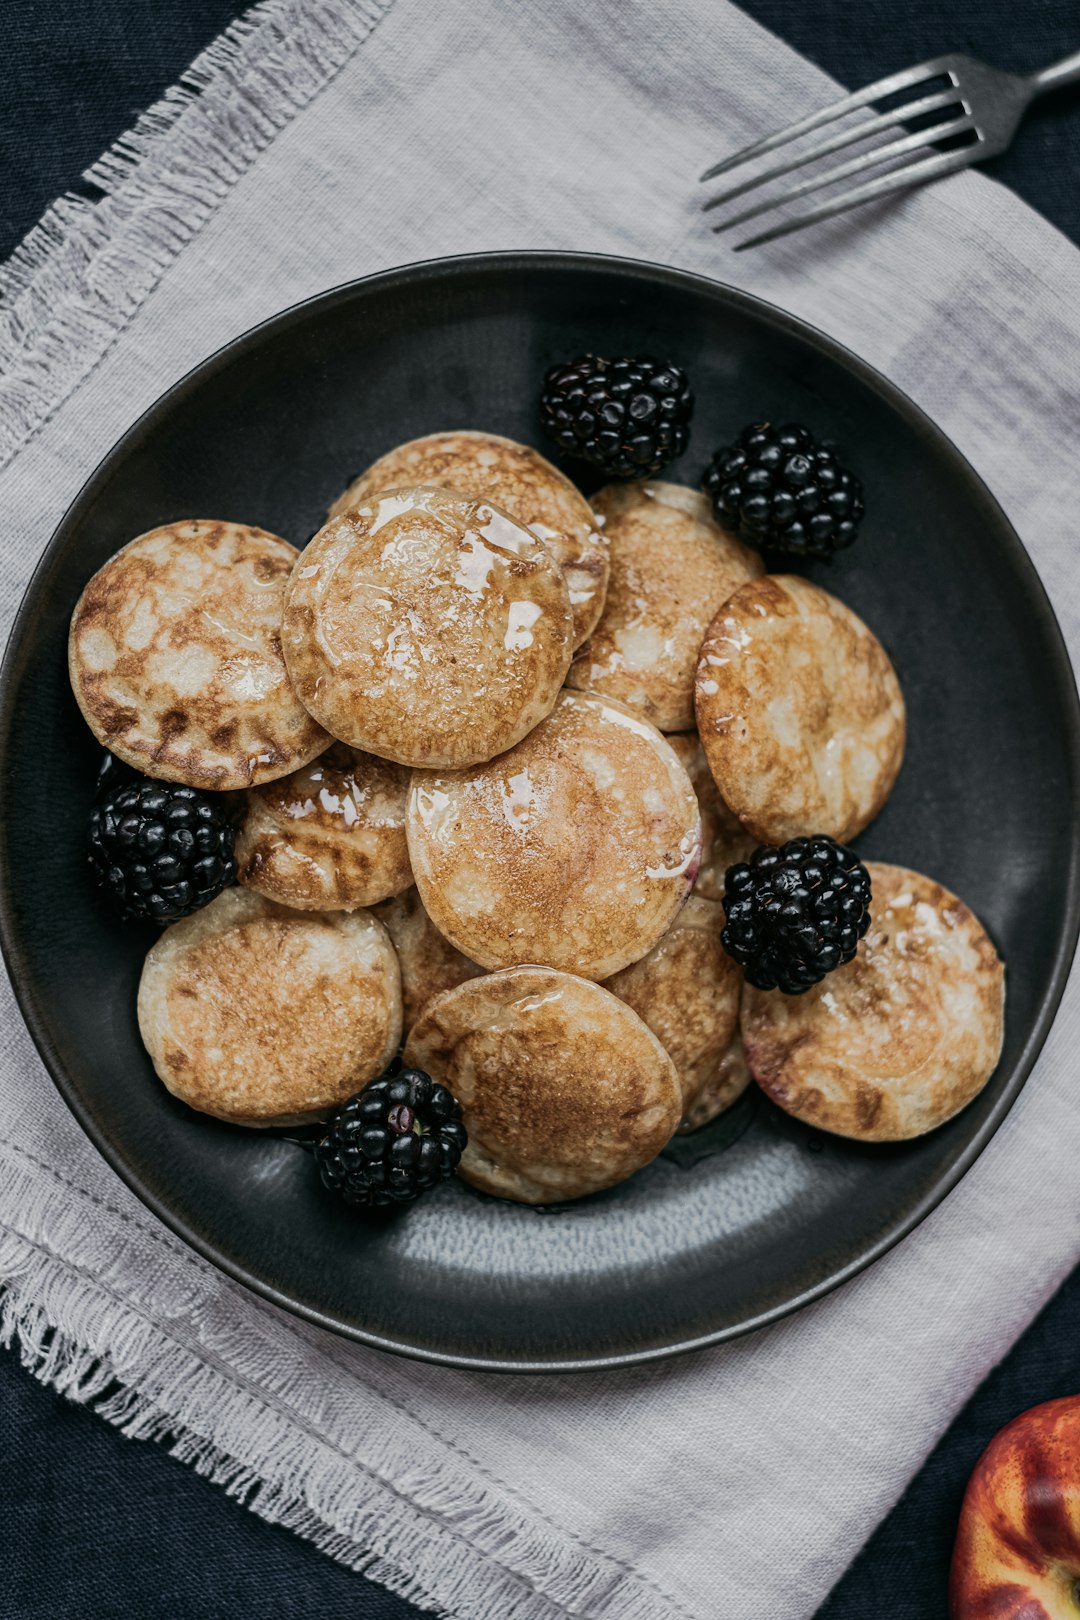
[701,1245]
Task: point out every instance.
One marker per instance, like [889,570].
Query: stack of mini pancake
[497,745]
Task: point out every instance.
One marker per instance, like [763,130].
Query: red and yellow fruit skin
[1017,1553]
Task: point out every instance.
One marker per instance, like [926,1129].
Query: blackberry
[629,417]
[783,490]
[397,1138]
[160,850]
[795,912]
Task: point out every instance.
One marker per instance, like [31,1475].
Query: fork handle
[1067,71]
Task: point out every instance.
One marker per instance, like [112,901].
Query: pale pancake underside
[729,1080]
[564,1090]
[574,849]
[329,837]
[687,990]
[898,1040]
[266,1016]
[672,568]
[175,657]
[427,627]
[429,963]
[724,840]
[518,479]
[799,710]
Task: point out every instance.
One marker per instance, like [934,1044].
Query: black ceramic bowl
[721,1234]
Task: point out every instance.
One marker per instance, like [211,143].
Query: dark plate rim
[1061,671]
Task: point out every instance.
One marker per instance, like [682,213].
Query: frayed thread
[82,273]
[434,1534]
[88,1378]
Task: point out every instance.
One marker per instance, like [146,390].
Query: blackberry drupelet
[795,912]
[629,417]
[160,850]
[782,490]
[397,1138]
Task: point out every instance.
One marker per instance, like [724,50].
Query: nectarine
[1017,1553]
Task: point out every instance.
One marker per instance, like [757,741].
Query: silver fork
[981,102]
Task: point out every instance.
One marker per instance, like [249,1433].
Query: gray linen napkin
[335,137]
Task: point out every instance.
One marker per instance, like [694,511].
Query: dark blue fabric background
[94,1526]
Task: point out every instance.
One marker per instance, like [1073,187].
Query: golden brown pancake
[175,657]
[672,568]
[687,990]
[898,1040]
[429,963]
[563,1089]
[575,849]
[520,480]
[266,1016]
[331,836]
[724,840]
[428,628]
[799,710]
[729,1079]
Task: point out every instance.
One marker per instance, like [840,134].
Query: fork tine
[843,171]
[912,174]
[836,143]
[859,98]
